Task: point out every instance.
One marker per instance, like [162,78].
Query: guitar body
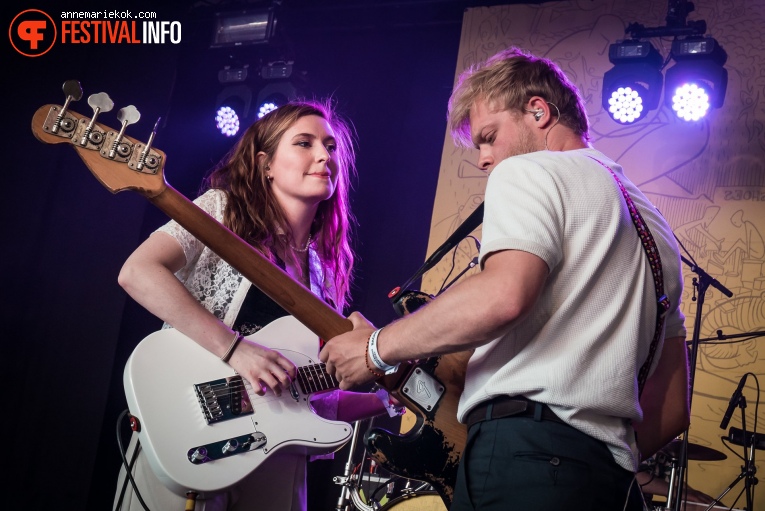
[431,450]
[160,379]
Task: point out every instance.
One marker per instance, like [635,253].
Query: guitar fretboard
[314,378]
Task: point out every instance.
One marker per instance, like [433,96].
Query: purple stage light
[266,108]
[625,105]
[698,80]
[690,102]
[227,121]
[632,88]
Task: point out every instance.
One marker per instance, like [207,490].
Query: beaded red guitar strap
[652,251]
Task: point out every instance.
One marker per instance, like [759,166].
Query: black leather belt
[515,406]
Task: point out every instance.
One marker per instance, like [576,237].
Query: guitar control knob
[231,446]
[199,455]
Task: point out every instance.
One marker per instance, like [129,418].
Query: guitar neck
[293,297]
[315,378]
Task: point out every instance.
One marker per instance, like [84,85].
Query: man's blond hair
[506,81]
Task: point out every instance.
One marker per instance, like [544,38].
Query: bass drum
[416,501]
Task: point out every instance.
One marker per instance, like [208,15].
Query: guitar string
[312,381]
[308,384]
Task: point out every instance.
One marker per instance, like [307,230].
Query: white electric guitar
[203,427]
[200,424]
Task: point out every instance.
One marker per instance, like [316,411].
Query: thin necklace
[305,248]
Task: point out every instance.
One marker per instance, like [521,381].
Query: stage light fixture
[233,107]
[698,80]
[274,95]
[279,87]
[227,121]
[232,74]
[238,28]
[633,86]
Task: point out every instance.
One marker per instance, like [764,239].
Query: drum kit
[665,463]
[368,487]
[402,495]
[371,492]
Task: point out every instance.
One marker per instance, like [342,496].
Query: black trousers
[518,463]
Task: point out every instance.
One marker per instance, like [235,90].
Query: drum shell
[416,501]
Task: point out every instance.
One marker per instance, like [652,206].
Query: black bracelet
[647,482]
[234,344]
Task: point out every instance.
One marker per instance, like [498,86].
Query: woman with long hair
[283,189]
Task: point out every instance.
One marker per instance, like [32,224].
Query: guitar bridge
[223,399]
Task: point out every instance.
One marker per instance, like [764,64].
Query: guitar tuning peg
[73,92]
[100,102]
[142,160]
[127,115]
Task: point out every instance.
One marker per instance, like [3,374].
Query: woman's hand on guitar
[263,367]
[346,354]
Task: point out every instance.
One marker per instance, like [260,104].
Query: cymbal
[695,451]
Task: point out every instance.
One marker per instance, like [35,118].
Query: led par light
[698,80]
[633,86]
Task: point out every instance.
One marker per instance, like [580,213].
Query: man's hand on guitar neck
[346,354]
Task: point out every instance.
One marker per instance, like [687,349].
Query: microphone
[734,399]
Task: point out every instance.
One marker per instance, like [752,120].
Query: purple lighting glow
[266,108]
[690,102]
[227,121]
[625,105]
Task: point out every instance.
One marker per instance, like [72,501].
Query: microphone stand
[701,282]
[748,469]
[466,227]
[723,337]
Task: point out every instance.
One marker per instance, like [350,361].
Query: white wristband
[375,355]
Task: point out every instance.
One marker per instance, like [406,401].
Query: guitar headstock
[117,160]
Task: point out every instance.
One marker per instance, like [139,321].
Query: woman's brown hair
[253,213]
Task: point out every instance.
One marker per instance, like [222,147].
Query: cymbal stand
[345,479]
[673,486]
[350,498]
[701,283]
